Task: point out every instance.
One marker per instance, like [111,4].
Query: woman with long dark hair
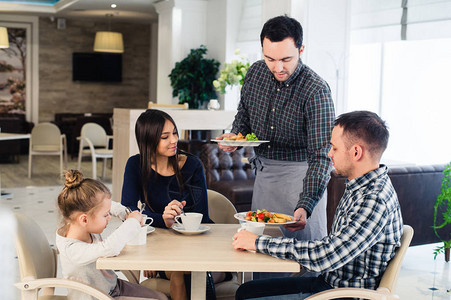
[165,180]
[162,177]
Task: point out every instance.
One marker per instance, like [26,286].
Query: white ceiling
[139,11]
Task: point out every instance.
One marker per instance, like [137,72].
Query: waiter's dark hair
[279,28]
[365,126]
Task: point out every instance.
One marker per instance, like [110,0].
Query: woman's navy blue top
[163,189]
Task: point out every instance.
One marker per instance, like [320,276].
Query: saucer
[150,229]
[179,228]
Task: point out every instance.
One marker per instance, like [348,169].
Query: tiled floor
[421,276]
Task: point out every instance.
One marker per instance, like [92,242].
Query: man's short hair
[279,28]
[367,127]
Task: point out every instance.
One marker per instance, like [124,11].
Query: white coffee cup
[190,221]
[145,218]
[253,227]
[141,237]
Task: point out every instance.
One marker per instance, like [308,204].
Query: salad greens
[251,137]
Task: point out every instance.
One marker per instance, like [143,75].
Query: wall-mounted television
[97,67]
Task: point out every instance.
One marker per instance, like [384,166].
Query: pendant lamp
[4,42]
[108,41]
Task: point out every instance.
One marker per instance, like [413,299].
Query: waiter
[288,104]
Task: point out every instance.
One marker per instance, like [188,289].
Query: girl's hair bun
[73,178]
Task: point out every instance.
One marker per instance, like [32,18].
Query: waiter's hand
[300,215]
[226,148]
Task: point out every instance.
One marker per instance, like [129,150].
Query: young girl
[166,180]
[86,208]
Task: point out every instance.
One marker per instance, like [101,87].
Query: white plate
[181,229]
[239,143]
[242,215]
[150,229]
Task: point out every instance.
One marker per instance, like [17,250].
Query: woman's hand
[173,209]
[137,215]
[150,274]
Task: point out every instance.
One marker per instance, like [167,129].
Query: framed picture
[13,72]
[19,81]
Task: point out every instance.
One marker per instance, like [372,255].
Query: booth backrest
[227,174]
[417,188]
[224,166]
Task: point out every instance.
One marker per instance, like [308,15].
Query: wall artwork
[13,69]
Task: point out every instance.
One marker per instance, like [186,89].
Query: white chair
[387,286]
[94,142]
[38,265]
[46,139]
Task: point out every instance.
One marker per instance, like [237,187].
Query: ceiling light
[4,42]
[108,41]
[113,5]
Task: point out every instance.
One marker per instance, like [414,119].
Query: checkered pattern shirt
[296,116]
[365,233]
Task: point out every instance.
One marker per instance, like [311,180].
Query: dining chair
[38,265]
[94,142]
[167,106]
[46,139]
[387,286]
[220,209]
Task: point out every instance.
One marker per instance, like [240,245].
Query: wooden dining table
[212,250]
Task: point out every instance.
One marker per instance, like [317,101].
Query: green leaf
[442,211]
[192,78]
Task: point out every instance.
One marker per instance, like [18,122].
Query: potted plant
[191,78]
[232,74]
[443,207]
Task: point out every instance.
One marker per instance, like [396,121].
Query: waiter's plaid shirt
[296,116]
[365,233]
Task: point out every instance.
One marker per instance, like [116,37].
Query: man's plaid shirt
[296,116]
[365,233]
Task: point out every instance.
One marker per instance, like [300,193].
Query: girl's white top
[78,258]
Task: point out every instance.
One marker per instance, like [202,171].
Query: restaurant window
[401,70]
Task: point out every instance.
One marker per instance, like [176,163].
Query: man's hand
[244,240]
[226,148]
[300,215]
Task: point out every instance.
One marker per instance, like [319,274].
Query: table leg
[198,285]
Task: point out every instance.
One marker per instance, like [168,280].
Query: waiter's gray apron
[277,187]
